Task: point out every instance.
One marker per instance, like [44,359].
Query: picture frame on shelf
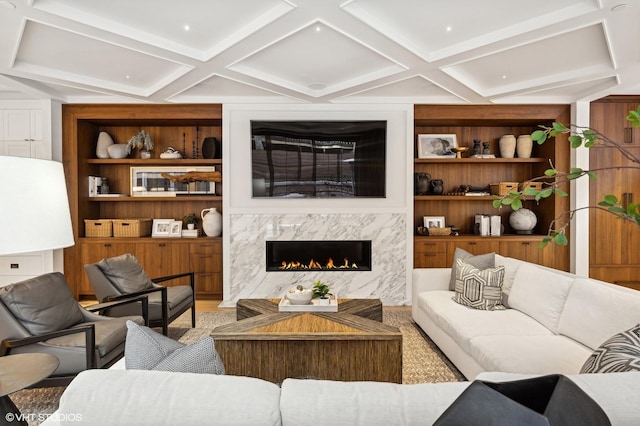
[433,221]
[161,227]
[175,229]
[437,145]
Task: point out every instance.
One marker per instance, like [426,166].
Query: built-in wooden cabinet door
[206,262]
[475,247]
[165,257]
[613,243]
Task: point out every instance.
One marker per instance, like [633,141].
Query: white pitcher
[211,222]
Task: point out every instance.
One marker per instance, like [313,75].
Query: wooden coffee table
[346,345]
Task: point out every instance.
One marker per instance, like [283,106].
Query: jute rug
[422,361]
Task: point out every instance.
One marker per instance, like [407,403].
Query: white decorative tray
[286,306]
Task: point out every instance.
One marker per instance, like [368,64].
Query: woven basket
[131,227]
[439,231]
[99,228]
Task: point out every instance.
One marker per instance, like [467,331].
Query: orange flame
[286,266]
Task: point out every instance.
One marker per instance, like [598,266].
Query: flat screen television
[318,159]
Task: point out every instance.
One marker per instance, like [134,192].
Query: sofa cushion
[331,403]
[510,268]
[109,333]
[42,304]
[618,354]
[587,315]
[139,397]
[147,350]
[463,323]
[540,293]
[126,273]
[481,261]
[548,354]
[478,289]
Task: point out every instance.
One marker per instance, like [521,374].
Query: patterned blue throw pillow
[620,353]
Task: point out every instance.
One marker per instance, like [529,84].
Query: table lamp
[34,208]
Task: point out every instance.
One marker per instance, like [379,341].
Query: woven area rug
[422,361]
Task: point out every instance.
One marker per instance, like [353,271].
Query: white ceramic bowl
[117,150]
[300,298]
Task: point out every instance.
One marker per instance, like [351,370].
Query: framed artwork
[437,146]
[161,227]
[433,221]
[163,181]
[175,229]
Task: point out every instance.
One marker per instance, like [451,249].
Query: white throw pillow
[540,293]
[510,268]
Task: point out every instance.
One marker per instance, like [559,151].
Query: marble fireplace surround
[248,223]
[387,232]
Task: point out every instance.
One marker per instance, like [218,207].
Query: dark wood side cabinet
[177,126]
[613,244]
[487,123]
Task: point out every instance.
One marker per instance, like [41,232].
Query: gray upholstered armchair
[41,315]
[122,276]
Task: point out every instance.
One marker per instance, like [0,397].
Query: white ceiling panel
[197,28]
[316,59]
[434,29]
[319,51]
[537,63]
[44,49]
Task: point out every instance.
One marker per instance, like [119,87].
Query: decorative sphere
[523,221]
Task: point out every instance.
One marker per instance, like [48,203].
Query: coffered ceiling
[319,51]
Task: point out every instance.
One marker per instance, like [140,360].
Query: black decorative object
[477,150]
[211,148]
[421,183]
[437,187]
[547,400]
[486,148]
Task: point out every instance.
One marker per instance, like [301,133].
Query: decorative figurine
[477,150]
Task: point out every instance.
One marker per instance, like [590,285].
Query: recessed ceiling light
[7,4]
[318,28]
[186,27]
[449,28]
[504,77]
[619,7]
[127,76]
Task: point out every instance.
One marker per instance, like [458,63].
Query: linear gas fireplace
[322,255]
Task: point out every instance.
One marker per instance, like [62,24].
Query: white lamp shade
[34,207]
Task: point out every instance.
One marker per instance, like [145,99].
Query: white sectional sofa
[554,321]
[140,397]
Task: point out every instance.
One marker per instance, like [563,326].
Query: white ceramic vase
[524,146]
[507,146]
[104,141]
[211,222]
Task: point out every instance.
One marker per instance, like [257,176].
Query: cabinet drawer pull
[14,266]
[525,243]
[628,135]
[205,274]
[107,245]
[429,254]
